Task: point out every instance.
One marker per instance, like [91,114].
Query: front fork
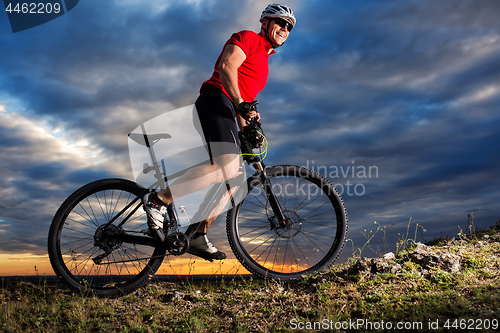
[280,220]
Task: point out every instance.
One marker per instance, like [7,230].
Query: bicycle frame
[212,196]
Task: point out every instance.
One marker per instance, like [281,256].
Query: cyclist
[226,99]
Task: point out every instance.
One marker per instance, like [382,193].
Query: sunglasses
[283,23]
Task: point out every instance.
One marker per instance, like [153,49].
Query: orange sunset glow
[29,265]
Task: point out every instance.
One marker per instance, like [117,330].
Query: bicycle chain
[138,259]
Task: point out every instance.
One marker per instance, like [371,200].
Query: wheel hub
[105,239]
[293,225]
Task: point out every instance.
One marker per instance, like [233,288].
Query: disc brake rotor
[293,225]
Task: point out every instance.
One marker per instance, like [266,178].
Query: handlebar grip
[246,107]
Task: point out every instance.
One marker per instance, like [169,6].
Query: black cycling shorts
[216,113]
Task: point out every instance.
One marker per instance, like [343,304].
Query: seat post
[158,174]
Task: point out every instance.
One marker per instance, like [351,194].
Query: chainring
[177,243]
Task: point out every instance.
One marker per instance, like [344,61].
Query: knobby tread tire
[340,212]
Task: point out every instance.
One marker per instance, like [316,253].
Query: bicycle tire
[315,238]
[72,243]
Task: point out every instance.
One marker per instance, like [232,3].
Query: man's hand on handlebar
[252,132]
[248,110]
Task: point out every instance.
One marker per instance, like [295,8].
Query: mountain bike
[292,222]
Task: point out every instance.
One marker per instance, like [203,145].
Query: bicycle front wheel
[316,228]
[77,237]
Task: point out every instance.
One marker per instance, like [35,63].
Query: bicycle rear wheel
[316,231]
[76,236]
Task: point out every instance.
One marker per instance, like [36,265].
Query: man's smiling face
[278,32]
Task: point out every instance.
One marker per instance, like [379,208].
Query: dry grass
[337,296]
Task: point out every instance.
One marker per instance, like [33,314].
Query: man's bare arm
[232,58]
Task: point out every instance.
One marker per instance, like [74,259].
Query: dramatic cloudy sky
[409,89]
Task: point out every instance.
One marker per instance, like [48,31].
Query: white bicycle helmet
[277,10]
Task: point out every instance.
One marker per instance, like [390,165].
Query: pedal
[201,254]
[204,255]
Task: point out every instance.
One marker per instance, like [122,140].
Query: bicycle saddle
[151,138]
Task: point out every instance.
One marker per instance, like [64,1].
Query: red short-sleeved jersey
[253,72]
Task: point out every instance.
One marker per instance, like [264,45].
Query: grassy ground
[346,297]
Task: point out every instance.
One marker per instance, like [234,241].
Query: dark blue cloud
[85,176]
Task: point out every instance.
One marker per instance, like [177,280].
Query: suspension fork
[273,201]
